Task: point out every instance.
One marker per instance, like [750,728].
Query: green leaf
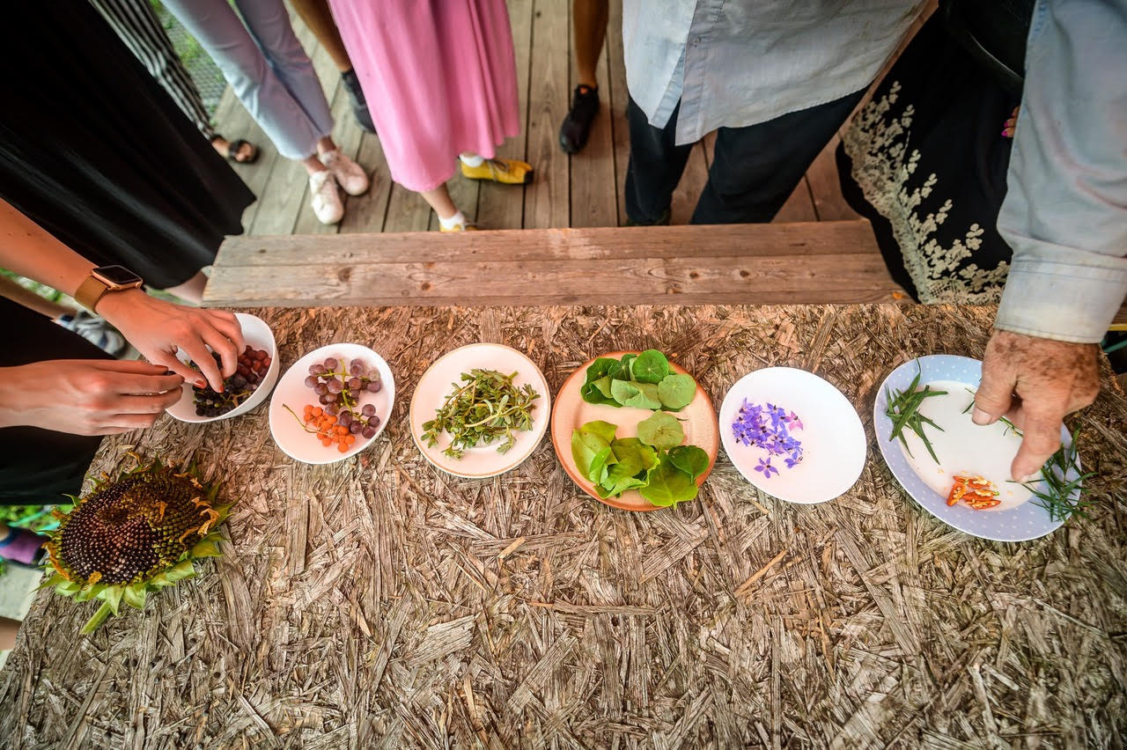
[633,393]
[661,430]
[205,548]
[89,591]
[669,485]
[651,366]
[96,621]
[135,595]
[111,595]
[180,571]
[68,588]
[676,391]
[590,447]
[600,367]
[689,459]
[602,385]
[54,580]
[624,371]
[634,460]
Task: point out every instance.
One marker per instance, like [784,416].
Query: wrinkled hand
[86,396]
[1035,382]
[159,329]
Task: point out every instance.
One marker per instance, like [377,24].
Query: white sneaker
[350,175]
[326,200]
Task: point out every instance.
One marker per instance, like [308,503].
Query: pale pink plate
[439,381]
[572,411]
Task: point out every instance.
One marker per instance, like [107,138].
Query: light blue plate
[1027,521]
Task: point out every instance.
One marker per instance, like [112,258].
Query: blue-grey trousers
[265,65]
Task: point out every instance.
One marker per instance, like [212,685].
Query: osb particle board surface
[368,604]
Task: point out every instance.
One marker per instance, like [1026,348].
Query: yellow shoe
[505,171]
[467,227]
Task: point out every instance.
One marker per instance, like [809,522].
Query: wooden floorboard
[594,200]
[617,99]
[547,199]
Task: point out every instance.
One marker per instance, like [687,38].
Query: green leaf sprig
[485,408]
[1057,495]
[904,411]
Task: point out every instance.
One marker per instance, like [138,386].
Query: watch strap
[90,292]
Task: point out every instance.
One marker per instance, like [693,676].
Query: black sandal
[233,148]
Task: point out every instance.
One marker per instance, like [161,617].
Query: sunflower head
[132,535]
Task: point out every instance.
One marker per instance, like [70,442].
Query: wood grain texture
[368,604]
[829,262]
[594,200]
[547,200]
[825,188]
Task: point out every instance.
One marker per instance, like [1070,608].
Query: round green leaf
[689,459]
[650,367]
[668,485]
[661,430]
[676,391]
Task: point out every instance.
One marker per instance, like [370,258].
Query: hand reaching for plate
[1035,382]
[159,329]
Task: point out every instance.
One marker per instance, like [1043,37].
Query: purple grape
[373,421]
[368,410]
[369,432]
[332,397]
[331,363]
[375,386]
[314,369]
[374,375]
[355,427]
[354,384]
[331,409]
[334,386]
[357,368]
[311,381]
[345,418]
[320,389]
[323,399]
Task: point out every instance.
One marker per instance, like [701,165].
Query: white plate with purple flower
[793,435]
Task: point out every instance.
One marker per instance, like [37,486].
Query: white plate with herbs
[480,410]
[321,388]
[959,471]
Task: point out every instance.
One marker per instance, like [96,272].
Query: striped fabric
[138,26]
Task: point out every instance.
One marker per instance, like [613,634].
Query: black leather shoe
[577,125]
[359,104]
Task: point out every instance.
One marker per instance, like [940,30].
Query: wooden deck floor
[578,191]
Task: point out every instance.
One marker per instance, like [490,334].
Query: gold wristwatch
[104,280]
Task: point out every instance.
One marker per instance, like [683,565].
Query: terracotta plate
[437,383]
[572,411]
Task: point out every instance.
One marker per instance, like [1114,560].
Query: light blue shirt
[733,63]
[1065,212]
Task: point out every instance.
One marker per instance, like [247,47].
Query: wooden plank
[825,188]
[546,201]
[502,206]
[819,262]
[234,122]
[751,240]
[593,196]
[406,211]
[842,278]
[618,97]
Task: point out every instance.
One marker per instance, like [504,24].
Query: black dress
[926,161]
[94,150]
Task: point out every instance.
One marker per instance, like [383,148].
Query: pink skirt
[439,77]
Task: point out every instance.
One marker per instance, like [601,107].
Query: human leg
[219,31]
[755,169]
[655,167]
[269,23]
[590,22]
[319,18]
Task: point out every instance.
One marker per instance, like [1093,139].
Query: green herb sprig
[1009,425]
[485,408]
[904,411]
[1056,497]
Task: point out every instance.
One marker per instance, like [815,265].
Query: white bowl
[257,335]
[832,437]
[288,431]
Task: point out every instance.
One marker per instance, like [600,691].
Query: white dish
[962,446]
[257,335]
[288,431]
[438,382]
[833,439]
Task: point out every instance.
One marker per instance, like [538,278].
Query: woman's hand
[159,329]
[86,396]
